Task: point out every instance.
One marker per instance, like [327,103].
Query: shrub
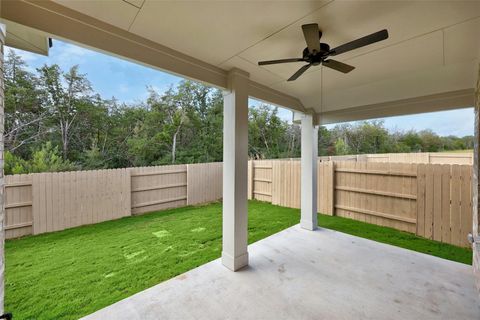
[46,159]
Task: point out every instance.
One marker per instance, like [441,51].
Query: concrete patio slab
[322,274]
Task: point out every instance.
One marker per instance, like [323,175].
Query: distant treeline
[55,121]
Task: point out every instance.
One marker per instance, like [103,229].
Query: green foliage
[48,159]
[93,159]
[268,135]
[14,164]
[341,147]
[372,137]
[24,109]
[184,124]
[45,159]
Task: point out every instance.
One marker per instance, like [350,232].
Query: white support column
[476,187]
[235,171]
[309,173]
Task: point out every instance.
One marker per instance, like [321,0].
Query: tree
[431,142]
[325,145]
[24,113]
[341,147]
[202,136]
[45,159]
[66,95]
[14,164]
[267,133]
[155,139]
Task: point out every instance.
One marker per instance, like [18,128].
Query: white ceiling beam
[64,23]
[56,20]
[24,38]
[275,97]
[431,103]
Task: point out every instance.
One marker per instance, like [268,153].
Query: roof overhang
[51,19]
[431,103]
[428,64]
[28,39]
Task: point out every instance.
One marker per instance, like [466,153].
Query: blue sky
[127,81]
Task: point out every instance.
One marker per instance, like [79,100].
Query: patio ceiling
[428,63]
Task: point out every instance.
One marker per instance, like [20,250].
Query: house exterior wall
[2,183]
[476,186]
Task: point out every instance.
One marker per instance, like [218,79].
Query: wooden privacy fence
[63,200]
[430,200]
[158,188]
[418,157]
[18,205]
[45,202]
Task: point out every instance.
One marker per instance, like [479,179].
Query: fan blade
[263,63]
[299,72]
[311,32]
[337,65]
[364,41]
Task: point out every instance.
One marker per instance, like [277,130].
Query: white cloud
[123,88]
[67,55]
[453,122]
[26,56]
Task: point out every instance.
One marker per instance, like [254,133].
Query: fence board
[204,181]
[455,206]
[429,199]
[437,203]
[262,180]
[18,205]
[65,200]
[445,202]
[466,205]
[158,199]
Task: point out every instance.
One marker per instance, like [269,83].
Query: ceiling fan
[318,53]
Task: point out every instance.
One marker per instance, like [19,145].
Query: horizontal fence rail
[431,200]
[158,188]
[419,157]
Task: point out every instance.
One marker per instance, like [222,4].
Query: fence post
[332,188]
[188,185]
[421,184]
[128,183]
[251,171]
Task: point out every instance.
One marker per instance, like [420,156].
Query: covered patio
[428,63]
[297,274]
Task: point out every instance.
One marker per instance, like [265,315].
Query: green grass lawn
[397,238]
[71,273]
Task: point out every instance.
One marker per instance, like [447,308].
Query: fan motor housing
[316,58]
